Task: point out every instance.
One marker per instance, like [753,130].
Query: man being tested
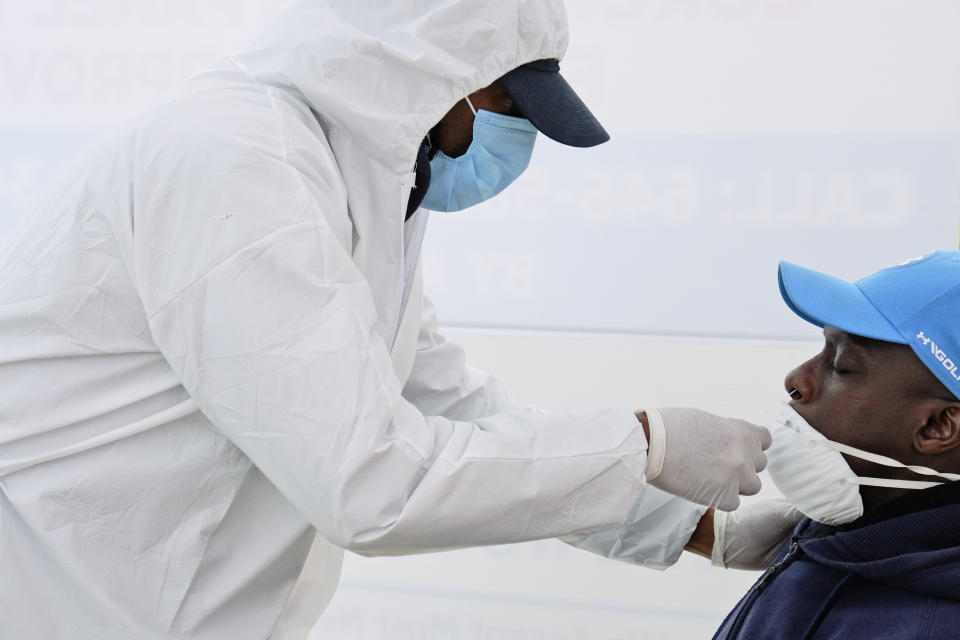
[213,339]
[869,449]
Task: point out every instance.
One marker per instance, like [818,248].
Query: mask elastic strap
[470,104]
[888,462]
[894,484]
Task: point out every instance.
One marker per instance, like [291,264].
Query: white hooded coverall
[214,344]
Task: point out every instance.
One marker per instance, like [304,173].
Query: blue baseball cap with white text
[916,303]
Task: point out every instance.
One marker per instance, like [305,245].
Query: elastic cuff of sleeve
[657,446]
[719,537]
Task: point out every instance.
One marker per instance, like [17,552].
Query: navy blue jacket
[892,574]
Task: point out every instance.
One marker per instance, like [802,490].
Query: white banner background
[744,132]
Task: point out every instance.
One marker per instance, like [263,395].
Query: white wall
[546,590]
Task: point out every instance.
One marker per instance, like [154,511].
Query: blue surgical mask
[500,151]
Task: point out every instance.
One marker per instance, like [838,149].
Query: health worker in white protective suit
[215,350]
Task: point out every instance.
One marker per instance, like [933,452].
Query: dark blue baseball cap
[916,303]
[551,105]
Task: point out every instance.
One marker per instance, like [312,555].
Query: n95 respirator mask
[814,477]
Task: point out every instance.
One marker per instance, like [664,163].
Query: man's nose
[800,384]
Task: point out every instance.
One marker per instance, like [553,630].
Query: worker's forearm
[642,417]
[701,542]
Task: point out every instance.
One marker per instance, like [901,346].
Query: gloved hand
[705,458]
[751,536]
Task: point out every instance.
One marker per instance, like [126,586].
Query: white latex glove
[751,536]
[705,458]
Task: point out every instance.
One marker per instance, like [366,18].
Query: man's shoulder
[246,130]
[910,553]
[204,125]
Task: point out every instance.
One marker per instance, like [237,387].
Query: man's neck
[884,504]
[876,497]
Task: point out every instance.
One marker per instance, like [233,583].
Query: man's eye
[839,369]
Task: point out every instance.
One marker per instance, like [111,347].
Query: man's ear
[941,433]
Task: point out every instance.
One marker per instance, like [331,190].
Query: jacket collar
[912,543]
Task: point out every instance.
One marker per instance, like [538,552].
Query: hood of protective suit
[384,73]
[378,75]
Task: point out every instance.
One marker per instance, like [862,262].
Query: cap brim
[553,107]
[824,300]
